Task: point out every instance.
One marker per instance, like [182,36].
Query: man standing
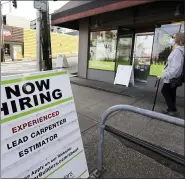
[172,76]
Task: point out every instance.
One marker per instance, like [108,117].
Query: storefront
[113,33]
[13,43]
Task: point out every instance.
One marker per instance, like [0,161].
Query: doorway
[142,55]
[124,50]
[7,54]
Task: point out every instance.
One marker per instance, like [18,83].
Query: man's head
[180,39]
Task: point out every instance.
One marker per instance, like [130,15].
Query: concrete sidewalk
[139,90]
[121,160]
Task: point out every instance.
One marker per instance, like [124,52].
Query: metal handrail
[144,112]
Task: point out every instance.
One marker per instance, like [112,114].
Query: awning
[81,9]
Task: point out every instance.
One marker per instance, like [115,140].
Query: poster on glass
[17,52]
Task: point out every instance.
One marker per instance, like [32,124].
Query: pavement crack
[88,117]
[89,128]
[144,127]
[137,99]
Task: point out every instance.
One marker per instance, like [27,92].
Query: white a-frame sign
[40,135]
[124,75]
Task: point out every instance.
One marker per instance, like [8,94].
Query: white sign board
[40,135]
[61,61]
[40,5]
[124,75]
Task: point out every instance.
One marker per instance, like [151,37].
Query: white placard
[40,5]
[39,127]
[124,75]
[61,61]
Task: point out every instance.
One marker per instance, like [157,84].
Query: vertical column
[83,47]
[38,41]
[46,42]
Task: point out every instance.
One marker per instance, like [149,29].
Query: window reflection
[144,46]
[103,50]
[162,47]
[124,50]
[142,57]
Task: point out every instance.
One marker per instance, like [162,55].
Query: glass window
[162,47]
[124,50]
[142,56]
[103,50]
[143,47]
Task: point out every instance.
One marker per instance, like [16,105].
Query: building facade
[13,42]
[20,44]
[113,33]
[13,36]
[60,44]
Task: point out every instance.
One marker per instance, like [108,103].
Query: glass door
[142,56]
[124,49]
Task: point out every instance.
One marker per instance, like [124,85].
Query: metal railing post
[144,112]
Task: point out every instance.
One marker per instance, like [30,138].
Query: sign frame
[40,5]
[124,75]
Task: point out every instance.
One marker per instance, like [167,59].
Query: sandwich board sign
[124,75]
[40,135]
[61,61]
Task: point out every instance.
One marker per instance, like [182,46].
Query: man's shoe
[165,111]
[173,114]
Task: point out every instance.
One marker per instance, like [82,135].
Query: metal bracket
[144,112]
[96,173]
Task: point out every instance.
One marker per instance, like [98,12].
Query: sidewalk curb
[101,89]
